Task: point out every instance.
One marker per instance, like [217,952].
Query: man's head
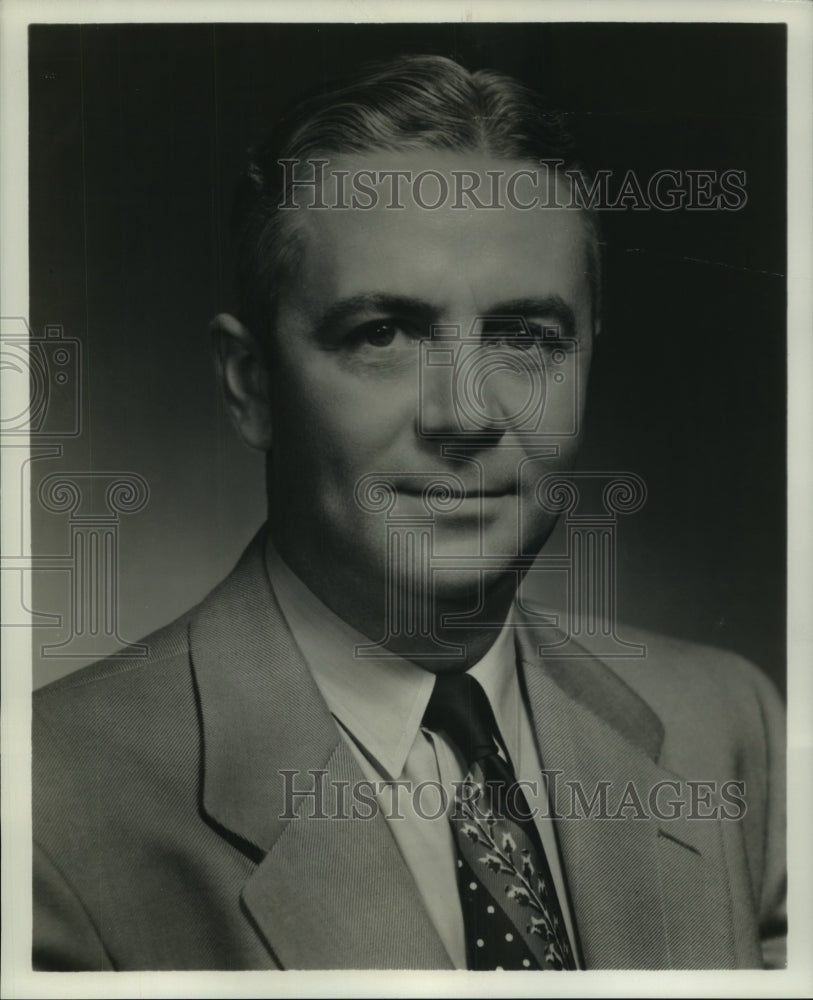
[384,330]
[412,103]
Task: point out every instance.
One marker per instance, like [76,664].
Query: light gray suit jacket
[162,842]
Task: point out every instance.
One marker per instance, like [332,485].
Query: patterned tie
[512,917]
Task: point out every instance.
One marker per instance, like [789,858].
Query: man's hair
[416,102]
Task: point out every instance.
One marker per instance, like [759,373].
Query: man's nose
[452,400]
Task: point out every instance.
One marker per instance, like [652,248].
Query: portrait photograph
[398,456]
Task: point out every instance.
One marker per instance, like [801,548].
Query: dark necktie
[511,914]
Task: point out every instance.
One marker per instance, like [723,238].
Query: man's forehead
[379,229]
[429,179]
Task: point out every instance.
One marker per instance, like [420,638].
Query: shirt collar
[381,700]
[497,674]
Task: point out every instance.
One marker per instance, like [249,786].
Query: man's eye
[381,333]
[522,335]
[518,341]
[507,333]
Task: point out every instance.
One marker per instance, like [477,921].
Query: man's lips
[465,494]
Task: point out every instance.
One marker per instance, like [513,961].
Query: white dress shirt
[379,704]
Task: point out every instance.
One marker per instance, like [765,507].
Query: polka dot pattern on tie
[496,944]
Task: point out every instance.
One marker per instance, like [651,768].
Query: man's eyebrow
[373,302]
[553,306]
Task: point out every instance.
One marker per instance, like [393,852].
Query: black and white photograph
[396,496]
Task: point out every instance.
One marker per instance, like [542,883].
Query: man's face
[363,379]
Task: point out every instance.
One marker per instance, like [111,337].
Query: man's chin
[495,547]
[472,586]
[452,564]
[463,587]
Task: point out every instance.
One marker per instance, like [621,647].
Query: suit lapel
[647,891]
[335,893]
[328,892]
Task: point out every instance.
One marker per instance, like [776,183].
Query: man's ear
[243,374]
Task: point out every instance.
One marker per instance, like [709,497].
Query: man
[411,351]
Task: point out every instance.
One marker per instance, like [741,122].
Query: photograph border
[17,978]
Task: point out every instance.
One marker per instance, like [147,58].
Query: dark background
[137,135]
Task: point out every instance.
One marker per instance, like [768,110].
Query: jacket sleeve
[64,938]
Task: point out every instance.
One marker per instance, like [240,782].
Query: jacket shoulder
[164,646]
[100,724]
[680,679]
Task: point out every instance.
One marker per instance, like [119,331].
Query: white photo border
[17,978]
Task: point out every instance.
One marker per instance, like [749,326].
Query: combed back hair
[418,102]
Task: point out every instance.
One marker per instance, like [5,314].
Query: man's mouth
[475,493]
